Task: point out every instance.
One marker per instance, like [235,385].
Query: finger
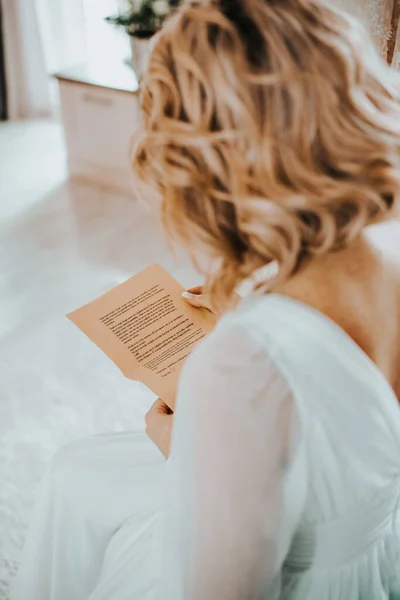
[197,300]
[159,406]
[197,290]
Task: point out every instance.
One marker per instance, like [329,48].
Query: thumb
[159,406]
[193,299]
[196,300]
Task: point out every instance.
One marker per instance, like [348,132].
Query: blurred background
[40,37]
[71,226]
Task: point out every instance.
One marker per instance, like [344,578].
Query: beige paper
[146,328]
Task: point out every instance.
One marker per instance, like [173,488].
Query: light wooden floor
[62,243]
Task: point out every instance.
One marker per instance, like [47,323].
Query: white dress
[283,482]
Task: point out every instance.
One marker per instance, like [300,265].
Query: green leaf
[143,22]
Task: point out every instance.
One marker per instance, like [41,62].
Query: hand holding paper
[197,298]
[146,328]
[159,422]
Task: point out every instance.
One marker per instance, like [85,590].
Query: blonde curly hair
[271,134]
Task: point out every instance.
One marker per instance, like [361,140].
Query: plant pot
[140,55]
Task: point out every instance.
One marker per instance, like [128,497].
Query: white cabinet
[100,117]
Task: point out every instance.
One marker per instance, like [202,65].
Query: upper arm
[235,434]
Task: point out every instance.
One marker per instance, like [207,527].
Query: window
[106,43]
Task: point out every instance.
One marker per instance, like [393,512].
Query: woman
[272,139]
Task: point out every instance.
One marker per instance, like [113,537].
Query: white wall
[27,87]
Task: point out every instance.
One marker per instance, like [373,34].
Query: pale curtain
[41,36]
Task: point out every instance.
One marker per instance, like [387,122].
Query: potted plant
[141,20]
